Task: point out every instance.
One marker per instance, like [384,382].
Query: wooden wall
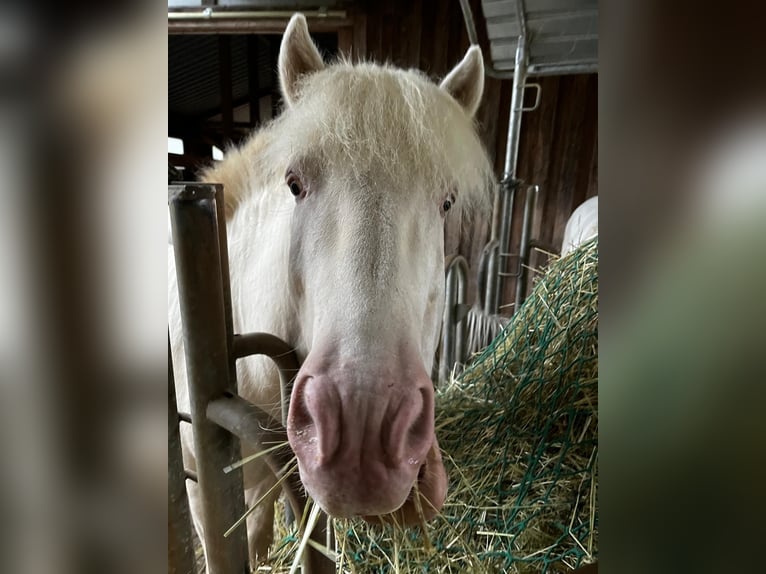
[559,140]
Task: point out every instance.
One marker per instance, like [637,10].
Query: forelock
[374,122]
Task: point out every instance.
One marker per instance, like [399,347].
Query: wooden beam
[264,26]
[345,42]
[253,94]
[224,75]
[360,37]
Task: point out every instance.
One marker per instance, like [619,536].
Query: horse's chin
[426,497]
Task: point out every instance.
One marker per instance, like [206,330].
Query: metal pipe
[490,288]
[510,182]
[223,256]
[453,331]
[210,14]
[460,268]
[521,279]
[508,188]
[279,351]
[287,363]
[447,358]
[198,266]
[180,544]
[254,426]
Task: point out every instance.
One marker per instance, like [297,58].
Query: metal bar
[453,331]
[509,183]
[180,545]
[248,26]
[280,352]
[460,268]
[254,426]
[221,14]
[539,70]
[203,314]
[526,224]
[508,188]
[223,254]
[490,298]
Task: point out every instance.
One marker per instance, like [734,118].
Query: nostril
[420,435]
[299,416]
[411,431]
[313,421]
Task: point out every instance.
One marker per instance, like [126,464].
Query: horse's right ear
[298,56]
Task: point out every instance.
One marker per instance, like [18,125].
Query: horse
[335,214]
[581,226]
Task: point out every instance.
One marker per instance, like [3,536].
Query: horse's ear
[465,82]
[298,56]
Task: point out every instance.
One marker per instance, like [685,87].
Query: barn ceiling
[562,35]
[194,82]
[198,72]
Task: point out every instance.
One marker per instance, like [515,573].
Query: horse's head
[377,158]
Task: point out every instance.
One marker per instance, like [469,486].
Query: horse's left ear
[298,56]
[465,82]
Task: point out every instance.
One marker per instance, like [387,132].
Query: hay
[518,431]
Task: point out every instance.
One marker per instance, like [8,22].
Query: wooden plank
[588,137]
[427,36]
[439,57]
[458,38]
[224,77]
[360,37]
[265,26]
[414,26]
[374,31]
[253,90]
[346,42]
[568,153]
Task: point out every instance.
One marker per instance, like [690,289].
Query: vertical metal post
[180,546]
[203,313]
[509,183]
[453,329]
[526,224]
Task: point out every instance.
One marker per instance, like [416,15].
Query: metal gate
[219,416]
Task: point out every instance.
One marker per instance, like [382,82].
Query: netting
[518,430]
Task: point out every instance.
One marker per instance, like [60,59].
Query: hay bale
[518,430]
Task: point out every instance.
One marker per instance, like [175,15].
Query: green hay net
[518,430]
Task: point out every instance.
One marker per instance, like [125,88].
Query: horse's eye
[446,205]
[295,185]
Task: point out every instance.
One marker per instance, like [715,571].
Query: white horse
[581,226]
[335,217]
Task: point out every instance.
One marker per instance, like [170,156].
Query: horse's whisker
[252,457]
[249,511]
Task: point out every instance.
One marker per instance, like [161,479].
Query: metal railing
[220,418]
